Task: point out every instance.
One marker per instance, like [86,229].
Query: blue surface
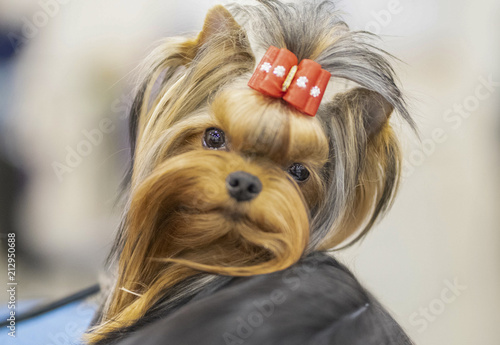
[62,326]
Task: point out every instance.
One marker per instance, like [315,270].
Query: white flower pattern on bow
[266,67]
[315,91]
[302,82]
[279,71]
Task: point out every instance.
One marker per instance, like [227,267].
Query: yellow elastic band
[289,78]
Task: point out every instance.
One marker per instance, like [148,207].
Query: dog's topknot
[315,30]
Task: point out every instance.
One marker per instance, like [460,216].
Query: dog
[258,145]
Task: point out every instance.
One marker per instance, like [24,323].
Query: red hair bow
[278,75]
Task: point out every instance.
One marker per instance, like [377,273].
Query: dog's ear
[366,159]
[219,24]
[374,109]
[217,21]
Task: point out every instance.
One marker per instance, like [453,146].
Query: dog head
[228,181]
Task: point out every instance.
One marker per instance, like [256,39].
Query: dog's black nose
[242,186]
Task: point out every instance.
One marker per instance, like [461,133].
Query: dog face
[235,184]
[228,181]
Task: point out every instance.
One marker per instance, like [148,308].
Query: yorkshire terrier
[258,145]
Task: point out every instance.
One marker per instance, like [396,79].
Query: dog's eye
[298,172]
[214,138]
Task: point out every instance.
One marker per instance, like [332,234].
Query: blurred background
[66,77]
